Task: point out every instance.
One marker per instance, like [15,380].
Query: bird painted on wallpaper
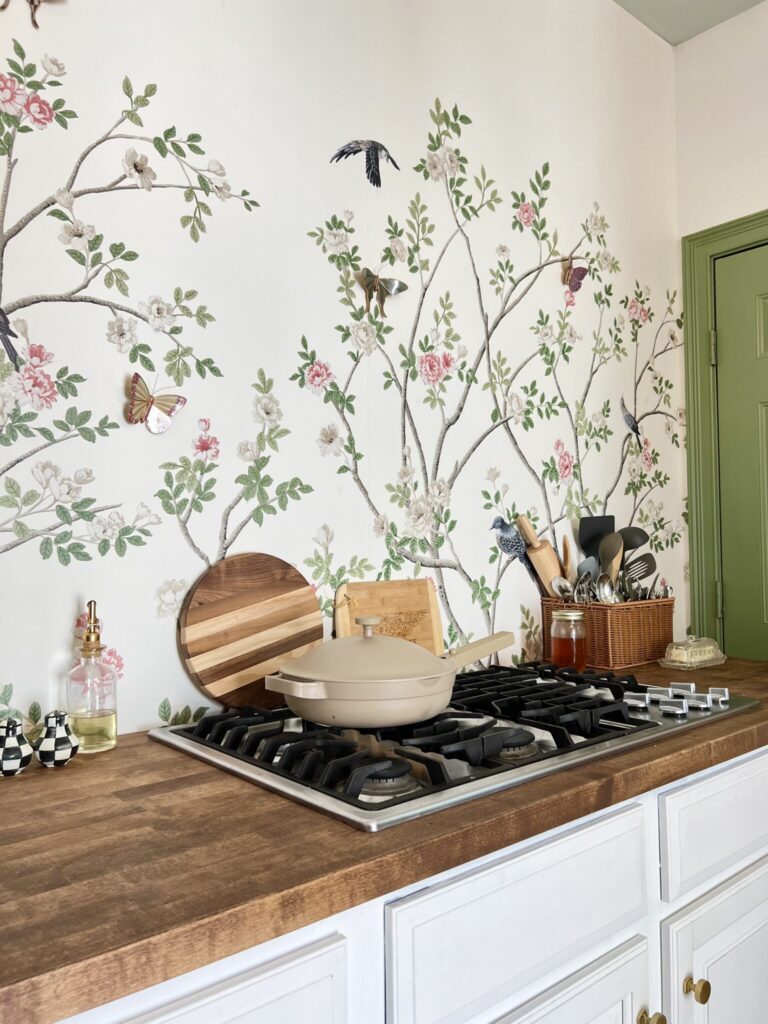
[6,333]
[511,543]
[632,425]
[373,152]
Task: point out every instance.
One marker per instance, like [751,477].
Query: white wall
[274,87]
[722,150]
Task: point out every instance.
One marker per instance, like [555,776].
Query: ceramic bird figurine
[6,333]
[373,152]
[631,422]
[15,749]
[58,744]
[511,543]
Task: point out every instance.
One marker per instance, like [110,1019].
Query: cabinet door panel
[723,938]
[461,949]
[309,985]
[609,991]
[713,824]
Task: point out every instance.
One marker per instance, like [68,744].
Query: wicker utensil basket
[618,635]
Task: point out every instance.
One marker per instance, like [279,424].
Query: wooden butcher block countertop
[134,866]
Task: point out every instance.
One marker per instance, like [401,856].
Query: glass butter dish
[692,653]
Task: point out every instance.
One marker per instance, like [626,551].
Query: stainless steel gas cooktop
[504,726]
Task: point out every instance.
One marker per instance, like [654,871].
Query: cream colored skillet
[371,681]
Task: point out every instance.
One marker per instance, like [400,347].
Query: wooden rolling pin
[541,553]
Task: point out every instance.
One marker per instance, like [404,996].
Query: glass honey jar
[569,639]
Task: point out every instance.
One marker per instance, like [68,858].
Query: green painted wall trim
[700,251]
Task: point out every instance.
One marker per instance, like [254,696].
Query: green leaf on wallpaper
[164,710]
[58,214]
[46,547]
[127,87]
[103,547]
[78,257]
[160,146]
[63,556]
[64,514]
[35,713]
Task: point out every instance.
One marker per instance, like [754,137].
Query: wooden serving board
[244,618]
[407,608]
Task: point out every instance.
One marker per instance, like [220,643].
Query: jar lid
[568,615]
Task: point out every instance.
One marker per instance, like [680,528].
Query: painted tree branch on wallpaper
[52,507]
[189,485]
[524,387]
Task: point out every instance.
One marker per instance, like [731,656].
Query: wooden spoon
[611,552]
[567,557]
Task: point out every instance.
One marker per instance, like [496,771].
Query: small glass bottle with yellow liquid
[91,696]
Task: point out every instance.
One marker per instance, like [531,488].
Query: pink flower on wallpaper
[204,425]
[206,447]
[34,387]
[431,368]
[38,110]
[525,214]
[565,461]
[637,312]
[570,298]
[111,657]
[318,376]
[448,361]
[38,356]
[12,95]
[647,454]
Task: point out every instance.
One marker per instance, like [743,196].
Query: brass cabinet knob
[644,1018]
[701,989]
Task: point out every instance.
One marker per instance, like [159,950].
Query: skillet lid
[355,659]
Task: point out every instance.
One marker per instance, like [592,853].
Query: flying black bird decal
[373,152]
[631,422]
[6,333]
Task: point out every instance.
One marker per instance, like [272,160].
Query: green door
[741,300]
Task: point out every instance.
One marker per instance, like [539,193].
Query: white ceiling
[678,20]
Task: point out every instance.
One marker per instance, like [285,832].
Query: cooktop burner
[504,726]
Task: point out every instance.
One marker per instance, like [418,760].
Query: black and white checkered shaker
[58,744]
[15,748]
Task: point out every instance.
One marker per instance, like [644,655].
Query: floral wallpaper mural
[541,390]
[371,375]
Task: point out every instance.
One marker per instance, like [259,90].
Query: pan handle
[305,689]
[480,649]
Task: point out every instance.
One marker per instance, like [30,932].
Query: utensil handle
[527,532]
[480,649]
[309,690]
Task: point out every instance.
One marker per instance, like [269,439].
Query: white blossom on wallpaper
[41,501]
[528,389]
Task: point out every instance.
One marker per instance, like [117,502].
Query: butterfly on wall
[571,276]
[380,287]
[154,411]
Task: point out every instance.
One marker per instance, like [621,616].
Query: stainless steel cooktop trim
[378,818]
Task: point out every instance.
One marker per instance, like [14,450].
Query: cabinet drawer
[710,825]
[461,948]
[308,985]
[721,938]
[612,990]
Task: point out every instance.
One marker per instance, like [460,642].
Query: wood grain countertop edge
[427,846]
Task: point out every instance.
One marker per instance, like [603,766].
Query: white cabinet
[713,824]
[721,939]
[465,948]
[612,990]
[309,985]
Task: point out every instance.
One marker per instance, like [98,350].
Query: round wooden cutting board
[242,619]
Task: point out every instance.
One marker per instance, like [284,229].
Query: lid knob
[368,622]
